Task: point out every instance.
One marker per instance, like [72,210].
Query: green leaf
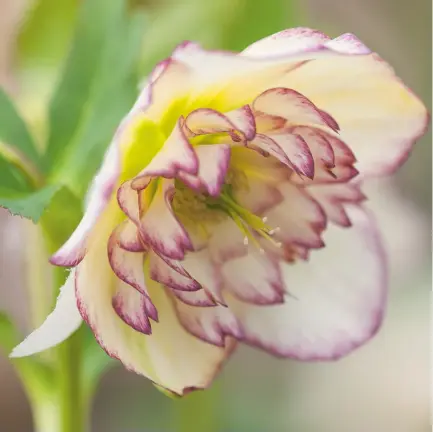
[12,179]
[113,94]
[46,47]
[61,216]
[32,205]
[252,20]
[14,132]
[94,92]
[80,71]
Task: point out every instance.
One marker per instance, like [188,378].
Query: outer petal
[102,188]
[73,251]
[219,77]
[287,42]
[379,118]
[58,326]
[170,357]
[338,304]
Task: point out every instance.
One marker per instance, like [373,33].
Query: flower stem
[197,412]
[46,415]
[69,360]
[38,273]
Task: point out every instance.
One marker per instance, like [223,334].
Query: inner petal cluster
[227,195]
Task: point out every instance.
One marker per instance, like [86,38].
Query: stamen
[265,219]
[275,230]
[246,241]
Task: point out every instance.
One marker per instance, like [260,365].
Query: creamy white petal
[59,325]
[337,299]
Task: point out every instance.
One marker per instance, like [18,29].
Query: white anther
[274,230]
[265,219]
[262,251]
[278,244]
[246,241]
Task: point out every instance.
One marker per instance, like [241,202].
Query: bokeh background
[385,386]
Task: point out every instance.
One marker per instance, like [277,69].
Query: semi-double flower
[228,208]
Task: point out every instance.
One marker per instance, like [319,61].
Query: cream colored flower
[228,208]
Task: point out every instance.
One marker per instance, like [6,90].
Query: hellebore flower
[228,208]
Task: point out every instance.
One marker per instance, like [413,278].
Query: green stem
[46,415]
[198,411]
[38,273]
[69,361]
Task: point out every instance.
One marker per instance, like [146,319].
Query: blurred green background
[384,386]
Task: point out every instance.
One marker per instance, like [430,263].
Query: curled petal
[320,147]
[342,173]
[291,105]
[252,163]
[290,149]
[213,165]
[267,123]
[128,200]
[199,298]
[268,145]
[128,266]
[244,120]
[160,228]
[128,237]
[210,324]
[131,306]
[208,121]
[338,304]
[333,197]
[254,278]
[200,266]
[161,272]
[59,325]
[176,155]
[156,357]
